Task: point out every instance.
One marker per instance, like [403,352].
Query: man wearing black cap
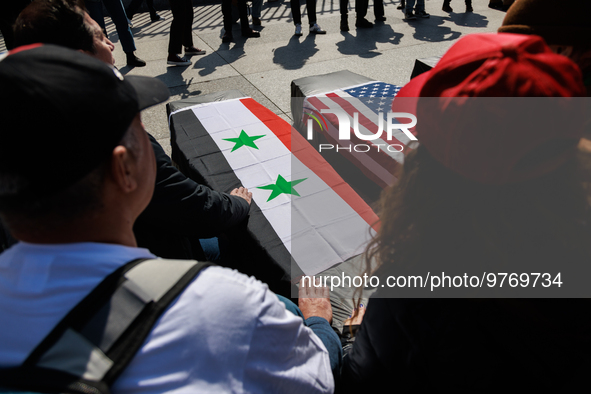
[72,183]
[181,210]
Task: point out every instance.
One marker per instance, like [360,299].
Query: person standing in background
[117,12]
[228,20]
[181,33]
[447,7]
[420,10]
[135,4]
[297,17]
[361,11]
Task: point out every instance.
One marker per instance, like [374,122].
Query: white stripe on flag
[318,228]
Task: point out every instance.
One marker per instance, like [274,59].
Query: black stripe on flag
[258,248]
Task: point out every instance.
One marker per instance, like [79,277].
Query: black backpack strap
[97,339]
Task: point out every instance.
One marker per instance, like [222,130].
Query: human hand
[242,192]
[314,301]
[356,317]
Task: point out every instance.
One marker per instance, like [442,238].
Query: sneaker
[298,30]
[380,18]
[422,14]
[156,18]
[315,29]
[446,7]
[409,16]
[256,21]
[176,60]
[133,60]
[363,23]
[194,51]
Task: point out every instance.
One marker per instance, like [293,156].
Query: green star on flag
[282,187]
[244,140]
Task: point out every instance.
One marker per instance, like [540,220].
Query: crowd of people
[181,37]
[86,191]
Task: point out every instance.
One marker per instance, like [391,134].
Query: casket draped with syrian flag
[303,216]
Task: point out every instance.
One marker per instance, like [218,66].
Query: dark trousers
[181,28]
[227,13]
[297,15]
[361,7]
[135,4]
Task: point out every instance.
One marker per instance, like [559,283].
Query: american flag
[382,158]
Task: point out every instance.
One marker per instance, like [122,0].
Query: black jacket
[182,211]
[469,345]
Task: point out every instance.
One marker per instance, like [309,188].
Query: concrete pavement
[264,67]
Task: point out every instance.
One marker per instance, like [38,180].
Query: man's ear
[84,52]
[123,169]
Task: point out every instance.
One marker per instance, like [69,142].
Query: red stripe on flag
[312,159]
[281,128]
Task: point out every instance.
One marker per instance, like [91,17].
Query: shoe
[446,7]
[194,51]
[176,60]
[410,16]
[250,33]
[156,18]
[344,23]
[469,8]
[380,18]
[133,60]
[422,14]
[363,23]
[315,29]
[227,37]
[402,5]
[298,30]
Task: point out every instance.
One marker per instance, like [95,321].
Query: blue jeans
[211,248]
[411,3]
[117,13]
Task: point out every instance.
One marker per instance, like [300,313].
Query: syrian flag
[368,99]
[302,209]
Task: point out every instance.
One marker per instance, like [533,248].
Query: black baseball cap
[62,114]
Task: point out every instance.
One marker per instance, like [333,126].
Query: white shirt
[225,333]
